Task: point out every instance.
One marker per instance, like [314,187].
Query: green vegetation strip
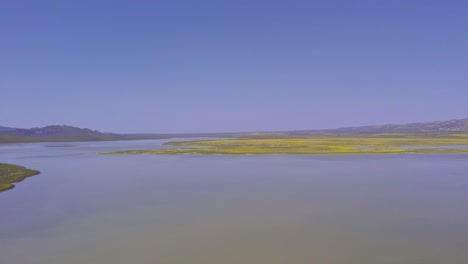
[319,144]
[10,174]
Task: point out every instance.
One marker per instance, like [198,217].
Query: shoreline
[11,174]
[402,144]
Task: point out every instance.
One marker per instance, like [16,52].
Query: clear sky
[214,66]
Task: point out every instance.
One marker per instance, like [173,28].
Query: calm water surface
[86,208]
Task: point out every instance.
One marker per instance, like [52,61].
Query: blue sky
[214,66]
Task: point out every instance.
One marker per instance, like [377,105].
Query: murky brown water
[106,209]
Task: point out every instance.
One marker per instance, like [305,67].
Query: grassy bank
[320,144]
[10,174]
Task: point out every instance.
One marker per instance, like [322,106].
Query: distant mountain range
[62,133]
[451,126]
[58,131]
[52,133]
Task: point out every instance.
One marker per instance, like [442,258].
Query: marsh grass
[10,174]
[319,144]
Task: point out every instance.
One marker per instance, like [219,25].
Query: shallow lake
[86,208]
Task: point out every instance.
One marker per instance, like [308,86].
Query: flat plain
[277,143]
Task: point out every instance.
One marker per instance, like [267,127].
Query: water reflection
[88,208]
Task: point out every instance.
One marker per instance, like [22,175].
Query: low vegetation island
[10,174]
[318,144]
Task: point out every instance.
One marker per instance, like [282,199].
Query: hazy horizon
[207,66]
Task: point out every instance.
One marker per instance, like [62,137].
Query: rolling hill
[58,131]
[451,126]
[54,133]
[63,133]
